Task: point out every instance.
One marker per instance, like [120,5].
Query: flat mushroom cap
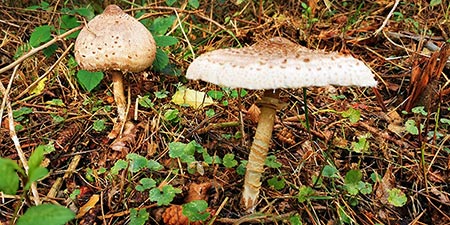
[279,63]
[114,40]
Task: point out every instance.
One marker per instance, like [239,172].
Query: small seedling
[277,182]
[138,217]
[99,125]
[271,161]
[164,195]
[396,197]
[229,161]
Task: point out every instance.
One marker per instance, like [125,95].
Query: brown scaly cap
[114,40]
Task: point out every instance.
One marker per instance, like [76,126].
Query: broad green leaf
[146,183]
[163,196]
[138,217]
[118,166]
[196,210]
[411,127]
[353,177]
[89,80]
[362,145]
[87,13]
[161,60]
[164,41]
[240,170]
[146,102]
[435,2]
[40,35]
[161,25]
[330,171]
[170,2]
[21,112]
[137,162]
[276,182]
[304,193]
[352,114]
[271,161]
[216,95]
[50,50]
[99,125]
[36,158]
[194,3]
[35,175]
[68,22]
[193,98]
[56,102]
[419,110]
[229,161]
[10,180]
[396,197]
[46,214]
[295,220]
[172,115]
[154,165]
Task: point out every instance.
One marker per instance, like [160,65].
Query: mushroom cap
[114,40]
[279,63]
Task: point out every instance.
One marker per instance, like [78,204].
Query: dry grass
[419,165]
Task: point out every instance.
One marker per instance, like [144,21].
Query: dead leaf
[198,191]
[89,205]
[383,187]
[193,98]
[128,137]
[253,113]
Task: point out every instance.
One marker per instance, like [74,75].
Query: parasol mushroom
[270,65]
[116,42]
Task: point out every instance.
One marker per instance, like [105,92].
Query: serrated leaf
[89,80]
[163,196]
[161,25]
[46,214]
[396,197]
[196,210]
[154,165]
[138,217]
[229,161]
[118,166]
[193,98]
[277,182]
[40,35]
[137,162]
[146,183]
[271,161]
[164,41]
[161,60]
[352,114]
[39,87]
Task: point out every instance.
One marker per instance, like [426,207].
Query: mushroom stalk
[119,96]
[259,149]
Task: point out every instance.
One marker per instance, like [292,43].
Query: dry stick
[35,50]
[387,18]
[32,85]
[5,93]
[15,139]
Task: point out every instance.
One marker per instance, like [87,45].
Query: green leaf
[146,102]
[161,60]
[50,50]
[364,187]
[196,210]
[295,220]
[216,95]
[56,102]
[87,13]
[46,214]
[21,112]
[35,175]
[277,182]
[163,196]
[36,158]
[99,125]
[170,2]
[435,2]
[352,114]
[419,110]
[330,171]
[10,180]
[304,193]
[396,197]
[146,183]
[172,115]
[271,161]
[89,80]
[411,127]
[241,93]
[353,177]
[154,165]
[229,161]
[137,162]
[138,217]
[362,145]
[161,25]
[210,113]
[194,3]
[26,47]
[40,35]
[68,22]
[184,152]
[118,166]
[164,41]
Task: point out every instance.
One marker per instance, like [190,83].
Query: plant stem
[119,96]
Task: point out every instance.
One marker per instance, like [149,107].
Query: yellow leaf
[193,98]
[39,87]
[89,205]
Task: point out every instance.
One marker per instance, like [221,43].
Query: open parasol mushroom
[273,64]
[116,42]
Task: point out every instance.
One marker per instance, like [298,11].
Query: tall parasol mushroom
[273,64]
[116,42]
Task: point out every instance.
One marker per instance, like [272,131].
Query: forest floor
[369,155]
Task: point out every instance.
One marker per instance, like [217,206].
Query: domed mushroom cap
[114,40]
[279,63]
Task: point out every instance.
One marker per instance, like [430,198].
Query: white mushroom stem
[119,96]
[258,152]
